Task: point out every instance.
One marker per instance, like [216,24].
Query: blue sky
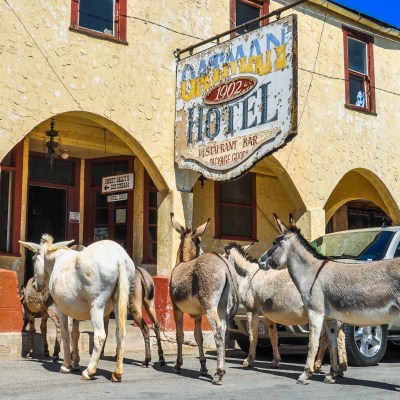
[385,10]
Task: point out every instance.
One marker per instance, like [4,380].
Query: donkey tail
[123,297]
[234,290]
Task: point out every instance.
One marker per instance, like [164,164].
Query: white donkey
[86,285]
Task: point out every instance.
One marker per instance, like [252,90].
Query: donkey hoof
[329,379]
[177,369]
[162,363]
[217,380]
[55,358]
[64,369]
[247,364]
[145,364]
[116,377]
[75,367]
[303,379]
[275,364]
[85,376]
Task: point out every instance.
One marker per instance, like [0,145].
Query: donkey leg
[75,346]
[31,321]
[96,315]
[141,323]
[120,336]
[106,321]
[54,317]
[178,316]
[332,332]
[273,337]
[316,322]
[323,344]
[218,327]
[43,330]
[252,325]
[341,350]
[198,335]
[65,337]
[151,312]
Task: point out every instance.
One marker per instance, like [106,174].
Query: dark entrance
[53,196]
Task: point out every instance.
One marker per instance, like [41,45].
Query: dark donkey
[202,284]
[356,294]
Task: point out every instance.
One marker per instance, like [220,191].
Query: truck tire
[263,348]
[365,345]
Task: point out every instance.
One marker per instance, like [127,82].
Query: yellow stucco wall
[48,70]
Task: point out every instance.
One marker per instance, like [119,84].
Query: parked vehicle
[365,345]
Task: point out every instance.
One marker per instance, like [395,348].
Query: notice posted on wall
[74,217]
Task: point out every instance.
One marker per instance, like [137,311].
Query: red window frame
[218,203]
[149,187]
[16,198]
[262,5]
[119,22]
[369,78]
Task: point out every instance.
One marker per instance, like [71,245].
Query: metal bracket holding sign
[117,183]
[237,102]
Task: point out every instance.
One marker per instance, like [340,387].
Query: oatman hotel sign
[237,102]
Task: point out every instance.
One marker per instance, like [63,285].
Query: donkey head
[276,256]
[190,245]
[41,274]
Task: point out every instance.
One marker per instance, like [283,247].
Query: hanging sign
[237,102]
[117,197]
[116,183]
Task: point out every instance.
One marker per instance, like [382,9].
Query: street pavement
[40,379]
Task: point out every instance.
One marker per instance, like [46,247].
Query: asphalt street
[40,379]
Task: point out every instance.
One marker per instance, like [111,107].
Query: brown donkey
[202,284]
[141,295]
[40,303]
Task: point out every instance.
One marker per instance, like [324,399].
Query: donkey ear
[281,226]
[30,246]
[176,225]
[292,222]
[65,243]
[200,230]
[245,248]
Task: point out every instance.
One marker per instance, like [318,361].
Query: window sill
[359,109]
[97,35]
[4,254]
[236,238]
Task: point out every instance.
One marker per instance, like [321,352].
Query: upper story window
[101,18]
[243,11]
[235,209]
[359,70]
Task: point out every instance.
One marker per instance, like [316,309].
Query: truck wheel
[263,348]
[365,345]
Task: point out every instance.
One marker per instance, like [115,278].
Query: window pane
[358,56]
[6,179]
[97,15]
[152,251]
[236,221]
[357,91]
[244,13]
[62,172]
[238,191]
[119,232]
[101,216]
[153,199]
[153,217]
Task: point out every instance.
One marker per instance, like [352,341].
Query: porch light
[52,145]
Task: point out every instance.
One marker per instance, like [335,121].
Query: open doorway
[47,213]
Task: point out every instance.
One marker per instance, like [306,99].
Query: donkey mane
[306,244]
[239,249]
[46,238]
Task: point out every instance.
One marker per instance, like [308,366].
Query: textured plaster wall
[47,70]
[332,139]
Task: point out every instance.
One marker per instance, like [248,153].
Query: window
[235,208]
[359,71]
[102,18]
[150,221]
[10,200]
[247,10]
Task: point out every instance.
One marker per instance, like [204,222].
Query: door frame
[90,193]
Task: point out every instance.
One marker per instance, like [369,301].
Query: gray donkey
[202,284]
[356,294]
[273,294]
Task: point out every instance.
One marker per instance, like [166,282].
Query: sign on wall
[116,183]
[237,102]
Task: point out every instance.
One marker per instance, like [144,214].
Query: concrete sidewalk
[13,346]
